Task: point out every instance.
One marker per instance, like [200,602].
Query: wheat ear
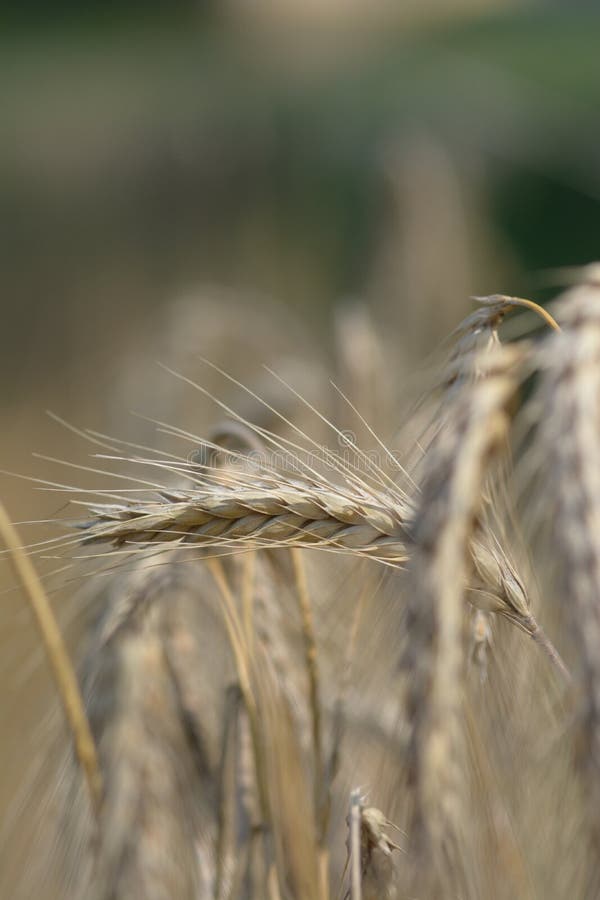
[495,585]
[567,409]
[280,512]
[296,514]
[455,472]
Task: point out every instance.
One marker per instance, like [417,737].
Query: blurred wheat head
[317,667]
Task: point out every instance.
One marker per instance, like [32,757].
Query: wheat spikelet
[455,470]
[285,513]
[378,876]
[369,851]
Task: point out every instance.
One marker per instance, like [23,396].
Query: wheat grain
[284,514]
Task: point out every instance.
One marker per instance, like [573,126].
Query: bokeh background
[226,177]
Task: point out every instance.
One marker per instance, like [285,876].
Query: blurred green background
[307,151]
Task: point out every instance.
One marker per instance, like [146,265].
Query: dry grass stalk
[226,822]
[310,651]
[341,711]
[244,672]
[455,471]
[275,633]
[288,825]
[354,846]
[59,660]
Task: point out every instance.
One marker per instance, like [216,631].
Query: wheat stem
[310,657]
[58,658]
[355,846]
[235,632]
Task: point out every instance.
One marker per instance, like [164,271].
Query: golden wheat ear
[433,662]
[280,512]
[496,585]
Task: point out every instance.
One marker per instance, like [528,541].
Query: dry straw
[58,658]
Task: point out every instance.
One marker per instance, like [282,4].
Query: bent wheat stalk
[455,471]
[510,303]
[567,410]
[496,585]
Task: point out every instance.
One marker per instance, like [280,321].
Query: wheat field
[334,646]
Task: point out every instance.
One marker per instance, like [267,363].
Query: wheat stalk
[59,660]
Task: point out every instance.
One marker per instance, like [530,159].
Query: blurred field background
[224,178]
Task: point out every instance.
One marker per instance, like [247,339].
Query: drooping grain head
[566,411]
[455,471]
